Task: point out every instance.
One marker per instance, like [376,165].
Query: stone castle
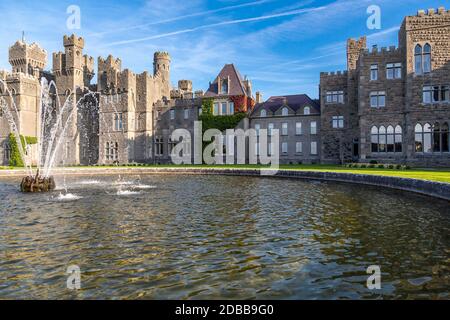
[391,105]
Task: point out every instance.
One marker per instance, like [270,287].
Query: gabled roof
[236,82]
[295,102]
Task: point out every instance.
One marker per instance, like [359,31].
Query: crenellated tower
[28,59]
[73,73]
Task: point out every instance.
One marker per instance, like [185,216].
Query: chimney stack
[259,97]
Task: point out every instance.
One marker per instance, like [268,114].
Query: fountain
[54,121]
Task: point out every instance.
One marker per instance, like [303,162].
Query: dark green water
[211,237]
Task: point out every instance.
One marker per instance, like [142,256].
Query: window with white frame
[224,108]
[200,111]
[335,97]
[284,111]
[270,129]
[216,109]
[186,113]
[118,121]
[436,94]
[284,147]
[307,111]
[231,108]
[257,128]
[394,71]
[284,129]
[299,147]
[374,72]
[298,128]
[172,114]
[338,122]
[313,147]
[313,127]
[263,113]
[378,99]
[224,86]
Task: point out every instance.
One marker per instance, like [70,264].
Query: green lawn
[432,174]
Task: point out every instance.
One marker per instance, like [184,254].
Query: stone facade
[297,119]
[390,105]
[385,98]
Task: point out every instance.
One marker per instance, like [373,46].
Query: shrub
[391,166]
[381,166]
[373,162]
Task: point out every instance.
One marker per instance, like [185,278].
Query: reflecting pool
[221,237]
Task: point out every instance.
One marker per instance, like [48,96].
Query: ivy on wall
[221,123]
[207,106]
[15,159]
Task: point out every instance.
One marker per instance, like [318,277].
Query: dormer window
[263,113]
[307,111]
[224,86]
[284,111]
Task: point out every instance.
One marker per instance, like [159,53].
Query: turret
[161,65]
[28,59]
[73,47]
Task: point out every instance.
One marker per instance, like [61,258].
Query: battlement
[88,62]
[185,85]
[375,51]
[19,76]
[334,74]
[109,62]
[23,55]
[433,12]
[162,55]
[73,40]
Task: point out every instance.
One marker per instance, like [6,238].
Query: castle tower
[28,59]
[73,73]
[161,66]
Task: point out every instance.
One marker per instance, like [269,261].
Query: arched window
[382,139]
[390,139]
[284,111]
[398,139]
[423,138]
[386,139]
[307,111]
[374,138]
[422,59]
[418,59]
[427,138]
[263,113]
[426,58]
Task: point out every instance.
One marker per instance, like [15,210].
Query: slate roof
[236,82]
[295,102]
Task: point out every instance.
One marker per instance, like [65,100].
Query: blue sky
[280,45]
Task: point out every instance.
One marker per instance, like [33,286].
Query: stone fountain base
[37,184]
